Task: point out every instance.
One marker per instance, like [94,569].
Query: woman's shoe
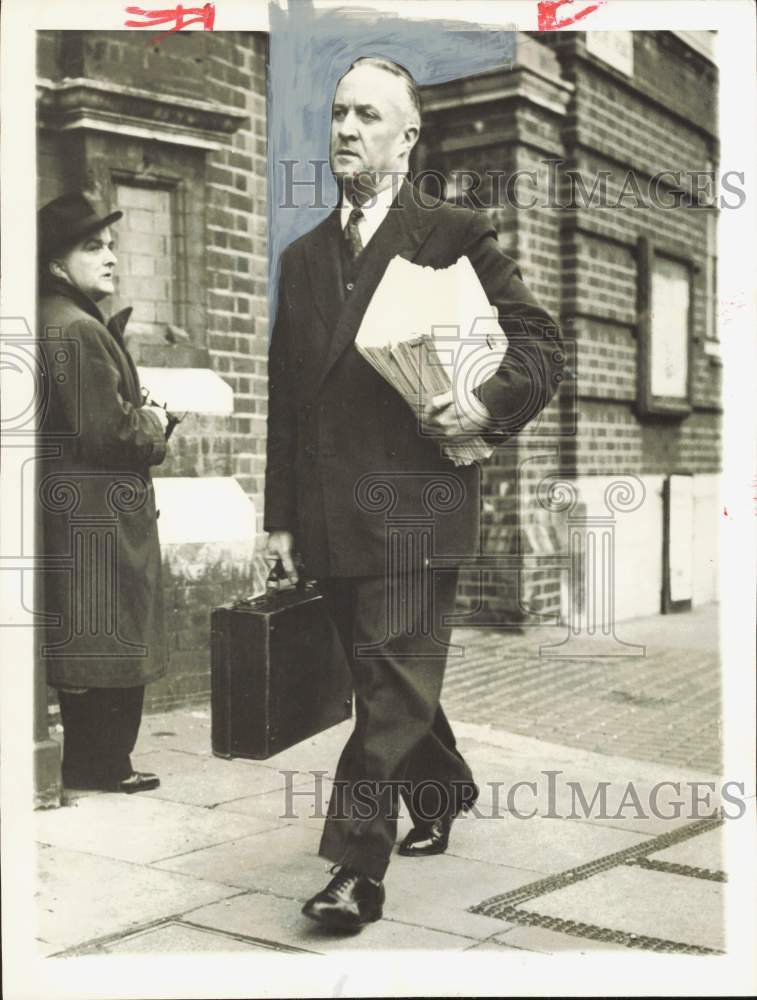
[138,781]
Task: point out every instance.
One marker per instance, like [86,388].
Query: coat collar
[403,232]
[116,325]
[57,286]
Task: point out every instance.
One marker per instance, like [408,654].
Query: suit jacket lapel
[325,269]
[403,232]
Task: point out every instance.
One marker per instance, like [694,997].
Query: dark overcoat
[346,462]
[98,535]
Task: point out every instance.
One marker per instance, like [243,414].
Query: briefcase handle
[277,579]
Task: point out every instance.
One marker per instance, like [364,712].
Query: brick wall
[583,264]
[213,210]
[238,251]
[616,125]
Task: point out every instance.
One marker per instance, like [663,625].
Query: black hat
[66,220]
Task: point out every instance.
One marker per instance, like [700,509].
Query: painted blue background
[309,51]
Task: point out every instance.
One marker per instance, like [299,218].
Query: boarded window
[670,329]
[146,251]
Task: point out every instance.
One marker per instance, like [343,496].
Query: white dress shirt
[374,212]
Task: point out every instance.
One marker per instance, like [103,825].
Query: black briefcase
[278,673]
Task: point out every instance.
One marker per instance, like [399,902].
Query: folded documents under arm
[429,330]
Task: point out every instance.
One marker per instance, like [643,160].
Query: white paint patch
[212,509]
[188,390]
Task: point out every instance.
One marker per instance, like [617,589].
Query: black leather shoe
[138,781]
[427,839]
[349,901]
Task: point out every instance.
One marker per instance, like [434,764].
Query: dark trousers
[100,728]
[402,742]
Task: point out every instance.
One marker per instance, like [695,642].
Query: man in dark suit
[351,476]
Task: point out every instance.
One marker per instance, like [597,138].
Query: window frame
[648,404]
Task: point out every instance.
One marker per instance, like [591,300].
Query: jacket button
[350,286]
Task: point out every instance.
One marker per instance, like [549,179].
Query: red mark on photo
[548,14]
[181,17]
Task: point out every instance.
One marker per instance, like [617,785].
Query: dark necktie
[352,233]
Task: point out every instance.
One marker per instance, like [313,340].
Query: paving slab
[657,812]
[319,753]
[139,828]
[639,901]
[81,896]
[176,938]
[704,851]
[483,739]
[207,781]
[185,729]
[188,730]
[491,946]
[625,789]
[284,861]
[308,803]
[274,919]
[543,846]
[547,941]
[435,892]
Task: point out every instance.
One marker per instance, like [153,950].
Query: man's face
[372,125]
[89,266]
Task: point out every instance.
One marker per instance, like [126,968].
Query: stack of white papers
[427,331]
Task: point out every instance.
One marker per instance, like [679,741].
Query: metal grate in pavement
[672,868]
[493,907]
[506,906]
[593,932]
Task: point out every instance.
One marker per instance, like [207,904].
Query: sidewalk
[663,706]
[208,863]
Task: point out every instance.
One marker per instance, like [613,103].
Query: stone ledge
[81,103]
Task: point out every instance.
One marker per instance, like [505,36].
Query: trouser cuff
[372,865]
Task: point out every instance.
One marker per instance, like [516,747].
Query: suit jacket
[101,582]
[346,464]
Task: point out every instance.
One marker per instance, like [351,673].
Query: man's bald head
[375,122]
[396,70]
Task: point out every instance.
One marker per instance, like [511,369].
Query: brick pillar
[490,127]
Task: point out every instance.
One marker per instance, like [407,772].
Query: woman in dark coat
[103,637]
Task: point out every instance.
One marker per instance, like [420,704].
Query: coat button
[350,286]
